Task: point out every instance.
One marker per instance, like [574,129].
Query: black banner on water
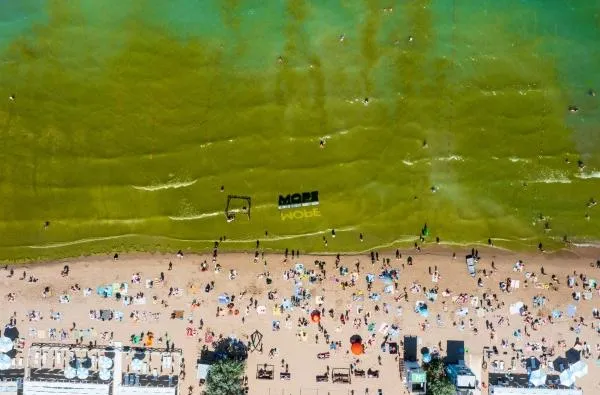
[301,199]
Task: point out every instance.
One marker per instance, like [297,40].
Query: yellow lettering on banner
[300,214]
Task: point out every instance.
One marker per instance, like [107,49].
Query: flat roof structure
[518,384]
[59,369]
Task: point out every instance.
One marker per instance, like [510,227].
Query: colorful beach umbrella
[355,339]
[357,349]
[5,362]
[6,344]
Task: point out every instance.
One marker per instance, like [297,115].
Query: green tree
[437,381]
[225,378]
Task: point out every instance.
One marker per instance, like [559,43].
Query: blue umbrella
[426,357]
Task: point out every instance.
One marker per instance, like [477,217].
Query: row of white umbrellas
[567,377]
[6,344]
[83,373]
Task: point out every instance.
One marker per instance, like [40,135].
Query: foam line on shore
[168,185]
[585,176]
[124,236]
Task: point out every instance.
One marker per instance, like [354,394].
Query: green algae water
[128,117]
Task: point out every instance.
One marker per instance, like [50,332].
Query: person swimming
[573,109]
[591,92]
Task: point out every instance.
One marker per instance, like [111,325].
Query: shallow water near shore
[130,116]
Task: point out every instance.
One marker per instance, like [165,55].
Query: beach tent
[6,344]
[105,291]
[571,310]
[566,378]
[538,377]
[579,369]
[255,340]
[5,362]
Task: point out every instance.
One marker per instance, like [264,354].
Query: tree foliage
[437,381]
[225,378]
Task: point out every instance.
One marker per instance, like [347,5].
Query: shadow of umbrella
[560,364]
[11,332]
[12,353]
[573,355]
[532,363]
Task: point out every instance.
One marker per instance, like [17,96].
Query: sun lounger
[471,261]
[372,374]
[285,376]
[359,373]
[322,378]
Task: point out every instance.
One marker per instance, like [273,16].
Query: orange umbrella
[315,317]
[357,349]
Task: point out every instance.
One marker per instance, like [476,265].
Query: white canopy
[105,362]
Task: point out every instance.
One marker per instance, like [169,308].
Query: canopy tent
[538,377]
[5,362]
[255,340]
[6,344]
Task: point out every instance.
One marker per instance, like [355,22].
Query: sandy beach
[257,293]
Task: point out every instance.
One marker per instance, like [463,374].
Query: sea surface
[450,112]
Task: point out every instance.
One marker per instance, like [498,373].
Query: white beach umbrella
[104,374]
[136,365]
[70,372]
[566,378]
[83,373]
[5,344]
[579,369]
[538,377]
[105,362]
[5,362]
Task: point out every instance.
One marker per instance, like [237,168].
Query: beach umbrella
[579,369]
[357,349]
[5,362]
[566,378]
[83,373]
[532,363]
[5,344]
[427,357]
[315,316]
[538,377]
[573,355]
[560,364]
[104,375]
[105,362]
[136,365]
[423,311]
[70,372]
[355,339]
[571,310]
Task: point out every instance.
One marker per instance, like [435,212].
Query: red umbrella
[315,316]
[357,349]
